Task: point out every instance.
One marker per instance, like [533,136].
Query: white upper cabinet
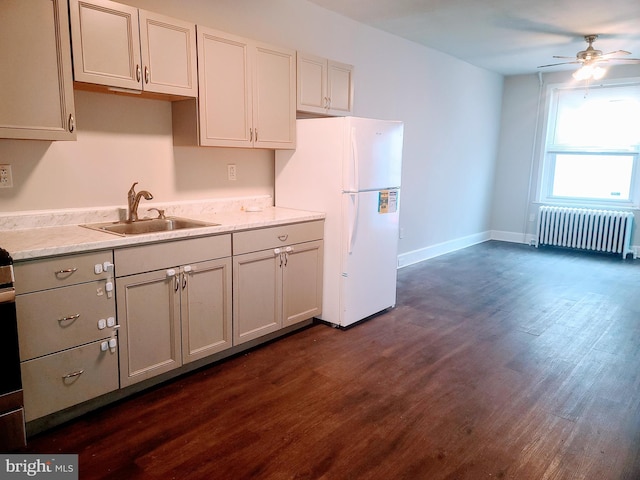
[247,95]
[325,87]
[120,46]
[35,71]
[274,97]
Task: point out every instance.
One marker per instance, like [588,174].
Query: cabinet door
[106,43]
[206,309]
[148,307]
[37,86]
[340,88]
[312,83]
[274,97]
[168,55]
[302,282]
[257,294]
[225,98]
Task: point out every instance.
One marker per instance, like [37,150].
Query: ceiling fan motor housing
[590,53]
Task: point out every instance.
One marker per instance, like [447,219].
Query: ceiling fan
[591,56]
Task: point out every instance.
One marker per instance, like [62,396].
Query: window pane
[593,176]
[604,117]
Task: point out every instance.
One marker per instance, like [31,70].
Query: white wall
[519,152]
[451,112]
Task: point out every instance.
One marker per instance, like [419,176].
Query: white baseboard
[513,237]
[416,256]
[433,251]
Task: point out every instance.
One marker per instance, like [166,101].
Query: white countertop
[29,243]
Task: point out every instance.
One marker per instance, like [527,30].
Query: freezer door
[369,258]
[374,155]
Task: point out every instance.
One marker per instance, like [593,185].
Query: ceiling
[510,37]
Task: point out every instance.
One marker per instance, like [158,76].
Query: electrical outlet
[231,171]
[6,178]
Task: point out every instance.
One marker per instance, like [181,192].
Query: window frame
[549,151]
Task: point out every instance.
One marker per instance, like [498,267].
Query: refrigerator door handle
[353,220]
[355,180]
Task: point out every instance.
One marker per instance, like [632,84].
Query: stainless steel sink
[149,225]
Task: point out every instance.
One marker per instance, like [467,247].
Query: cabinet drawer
[274,237]
[146,258]
[53,382]
[34,275]
[62,318]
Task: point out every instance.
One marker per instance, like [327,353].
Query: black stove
[12,429]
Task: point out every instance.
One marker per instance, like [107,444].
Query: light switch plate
[231,171]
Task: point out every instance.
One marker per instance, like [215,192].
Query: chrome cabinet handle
[251,134]
[146,74]
[77,373]
[72,123]
[256,134]
[66,270]
[138,73]
[70,317]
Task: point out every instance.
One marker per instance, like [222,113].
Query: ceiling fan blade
[556,64]
[560,56]
[632,60]
[617,52]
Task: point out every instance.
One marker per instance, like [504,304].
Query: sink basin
[149,225]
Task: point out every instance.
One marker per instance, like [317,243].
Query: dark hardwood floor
[500,361]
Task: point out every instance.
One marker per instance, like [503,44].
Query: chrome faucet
[134,200]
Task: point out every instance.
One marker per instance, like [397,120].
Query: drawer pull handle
[66,270]
[73,374]
[69,318]
[283,238]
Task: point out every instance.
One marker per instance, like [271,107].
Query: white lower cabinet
[66,318]
[277,286]
[205,309]
[177,312]
[69,377]
[173,303]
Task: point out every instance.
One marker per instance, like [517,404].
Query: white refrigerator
[349,168]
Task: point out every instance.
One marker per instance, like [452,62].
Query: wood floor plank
[499,361]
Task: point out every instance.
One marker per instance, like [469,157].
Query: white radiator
[587,229]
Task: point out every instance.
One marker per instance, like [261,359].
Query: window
[592,146]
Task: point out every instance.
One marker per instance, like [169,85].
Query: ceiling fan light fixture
[589,72]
